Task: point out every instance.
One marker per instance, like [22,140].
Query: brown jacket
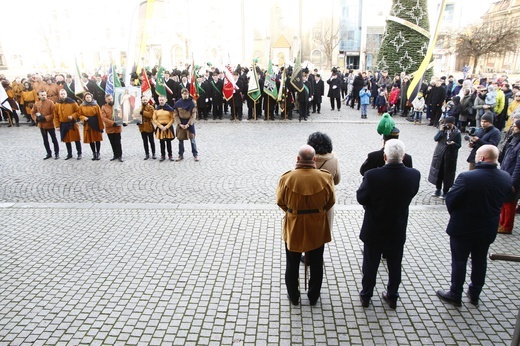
[87,112]
[62,111]
[106,116]
[45,108]
[311,191]
[52,90]
[182,116]
[164,118]
[146,118]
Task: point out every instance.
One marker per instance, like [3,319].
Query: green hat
[386,124]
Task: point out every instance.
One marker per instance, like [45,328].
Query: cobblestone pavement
[187,253]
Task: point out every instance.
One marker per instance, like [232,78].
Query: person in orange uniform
[146,126]
[43,114]
[163,119]
[65,115]
[52,89]
[90,113]
[29,97]
[112,128]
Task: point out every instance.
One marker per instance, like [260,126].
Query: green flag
[159,83]
[254,88]
[270,82]
[117,81]
[296,77]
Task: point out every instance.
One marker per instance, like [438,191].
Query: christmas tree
[406,37]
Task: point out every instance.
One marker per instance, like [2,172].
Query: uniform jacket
[53,91]
[146,113]
[93,126]
[385,194]
[311,190]
[45,108]
[107,117]
[474,202]
[163,115]
[334,87]
[375,159]
[69,130]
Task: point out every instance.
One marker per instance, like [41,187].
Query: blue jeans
[193,147]
[417,116]
[364,109]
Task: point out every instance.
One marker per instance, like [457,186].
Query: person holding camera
[112,128]
[43,114]
[364,100]
[487,134]
[444,162]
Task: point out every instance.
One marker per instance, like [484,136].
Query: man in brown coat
[112,128]
[65,116]
[43,114]
[305,194]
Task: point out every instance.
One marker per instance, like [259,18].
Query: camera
[471,132]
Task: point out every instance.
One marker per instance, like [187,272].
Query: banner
[79,88]
[254,87]
[159,82]
[229,83]
[146,89]
[296,77]
[270,82]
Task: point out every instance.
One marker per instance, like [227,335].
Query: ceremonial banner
[282,87]
[254,88]
[270,82]
[3,99]
[296,77]
[229,83]
[146,89]
[159,82]
[79,88]
[109,89]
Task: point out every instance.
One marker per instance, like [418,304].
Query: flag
[78,83]
[229,83]
[254,88]
[145,85]
[117,81]
[194,84]
[282,87]
[415,84]
[270,82]
[4,99]
[159,82]
[109,89]
[296,77]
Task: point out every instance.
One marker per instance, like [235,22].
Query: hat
[460,81]
[488,116]
[443,77]
[449,120]
[394,134]
[386,124]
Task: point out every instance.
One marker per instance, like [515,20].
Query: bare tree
[328,38]
[46,34]
[496,37]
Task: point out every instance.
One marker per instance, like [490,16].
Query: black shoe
[472,300]
[121,159]
[56,156]
[147,156]
[162,158]
[94,157]
[170,157]
[154,157]
[391,302]
[47,157]
[365,302]
[319,112]
[79,156]
[448,297]
[113,159]
[68,157]
[313,302]
[294,302]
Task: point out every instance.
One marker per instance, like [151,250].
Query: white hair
[394,151]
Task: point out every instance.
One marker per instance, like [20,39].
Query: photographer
[487,134]
[444,162]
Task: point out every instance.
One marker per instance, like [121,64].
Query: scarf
[91,103]
[67,100]
[166,107]
[185,104]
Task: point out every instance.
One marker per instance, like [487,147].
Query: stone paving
[190,253]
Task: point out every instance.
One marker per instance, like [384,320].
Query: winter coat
[364,97]
[447,154]
[305,195]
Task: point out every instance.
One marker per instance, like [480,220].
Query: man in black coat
[487,134]
[474,204]
[376,158]
[436,98]
[319,91]
[334,92]
[97,88]
[385,194]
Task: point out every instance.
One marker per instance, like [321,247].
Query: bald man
[305,194]
[474,203]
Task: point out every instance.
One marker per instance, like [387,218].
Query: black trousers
[371,258]
[115,143]
[166,144]
[461,249]
[45,135]
[69,148]
[292,270]
[338,102]
[148,138]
